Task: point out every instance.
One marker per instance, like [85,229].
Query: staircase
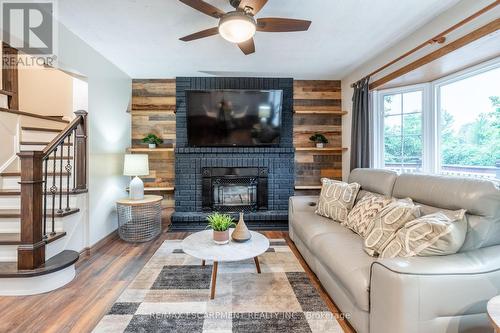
[40,200]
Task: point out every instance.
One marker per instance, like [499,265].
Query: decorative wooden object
[439,38]
[153,111]
[461,42]
[318,109]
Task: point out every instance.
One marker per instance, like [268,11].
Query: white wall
[45,91]
[455,14]
[109,91]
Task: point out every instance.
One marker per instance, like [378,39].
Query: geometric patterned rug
[172,294]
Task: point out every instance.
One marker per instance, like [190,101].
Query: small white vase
[319,145]
[152,145]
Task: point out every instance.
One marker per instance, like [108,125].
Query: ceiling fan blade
[275,24]
[255,5]
[248,47]
[201,34]
[204,7]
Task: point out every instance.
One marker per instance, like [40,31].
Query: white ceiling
[141,36]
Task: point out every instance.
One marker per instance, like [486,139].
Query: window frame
[378,117]
[431,115]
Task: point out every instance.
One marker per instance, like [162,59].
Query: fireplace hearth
[232,190]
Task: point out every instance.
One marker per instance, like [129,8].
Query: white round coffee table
[201,245]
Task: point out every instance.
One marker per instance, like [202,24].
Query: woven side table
[139,220]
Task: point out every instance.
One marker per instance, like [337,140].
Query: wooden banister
[81,152]
[80,117]
[36,190]
[10,83]
[31,252]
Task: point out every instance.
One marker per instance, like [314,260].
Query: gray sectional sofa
[407,295]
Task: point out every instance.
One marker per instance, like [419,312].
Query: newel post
[81,151]
[31,252]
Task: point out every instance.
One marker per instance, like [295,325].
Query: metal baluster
[53,191]
[60,210]
[45,181]
[68,170]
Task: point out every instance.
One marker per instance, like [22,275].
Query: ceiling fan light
[237,27]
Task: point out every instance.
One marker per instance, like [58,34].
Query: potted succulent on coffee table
[220,224]
[152,140]
[319,139]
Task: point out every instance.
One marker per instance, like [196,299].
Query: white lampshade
[136,165]
[237,27]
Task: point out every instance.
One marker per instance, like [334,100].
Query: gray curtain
[361,131]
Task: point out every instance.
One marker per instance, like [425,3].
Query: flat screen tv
[233,118]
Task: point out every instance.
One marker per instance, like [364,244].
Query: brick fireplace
[258,180]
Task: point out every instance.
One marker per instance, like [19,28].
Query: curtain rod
[440,38]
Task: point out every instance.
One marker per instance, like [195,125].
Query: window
[402,114]
[469,136]
[450,126]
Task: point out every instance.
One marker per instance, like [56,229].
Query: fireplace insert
[234,190]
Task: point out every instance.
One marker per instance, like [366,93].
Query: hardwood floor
[100,279]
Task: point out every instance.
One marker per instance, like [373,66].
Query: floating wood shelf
[341,113]
[317,128]
[327,149]
[147,150]
[158,189]
[135,112]
[308,187]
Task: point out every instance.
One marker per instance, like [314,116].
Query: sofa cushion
[336,199]
[440,233]
[343,255]
[374,180]
[387,223]
[481,199]
[307,225]
[361,217]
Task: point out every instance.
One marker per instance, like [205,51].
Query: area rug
[171,294]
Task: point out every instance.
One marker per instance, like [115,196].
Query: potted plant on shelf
[220,224]
[319,139]
[152,140]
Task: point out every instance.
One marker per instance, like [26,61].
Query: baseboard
[90,250]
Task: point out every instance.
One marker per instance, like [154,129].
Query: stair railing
[50,176]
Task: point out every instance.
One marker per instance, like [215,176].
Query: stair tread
[10,239]
[16,213]
[10,192]
[40,129]
[58,262]
[39,143]
[15,238]
[18,174]
[10,213]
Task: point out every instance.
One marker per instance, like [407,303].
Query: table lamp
[136,165]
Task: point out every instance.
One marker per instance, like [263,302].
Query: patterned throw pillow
[434,234]
[336,199]
[387,223]
[361,217]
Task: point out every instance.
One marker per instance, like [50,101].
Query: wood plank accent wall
[153,111]
[318,109]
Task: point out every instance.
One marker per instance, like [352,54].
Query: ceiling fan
[239,26]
